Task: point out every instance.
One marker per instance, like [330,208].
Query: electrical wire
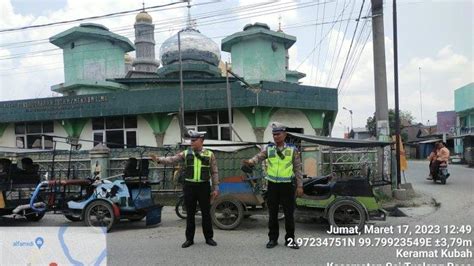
[87,18]
[350,46]
[329,43]
[353,61]
[319,50]
[314,48]
[212,22]
[340,47]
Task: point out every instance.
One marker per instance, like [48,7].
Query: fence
[317,160]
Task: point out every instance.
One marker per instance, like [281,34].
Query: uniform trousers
[281,194]
[195,192]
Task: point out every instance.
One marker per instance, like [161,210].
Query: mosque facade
[110,97]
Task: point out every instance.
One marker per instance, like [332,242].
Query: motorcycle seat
[322,189]
[310,181]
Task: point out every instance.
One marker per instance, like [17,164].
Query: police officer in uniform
[283,166]
[200,167]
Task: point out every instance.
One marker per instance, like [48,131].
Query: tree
[406,119]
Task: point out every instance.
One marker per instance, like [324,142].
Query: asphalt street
[131,243]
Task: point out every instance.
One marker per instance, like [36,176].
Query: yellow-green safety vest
[197,169]
[280,170]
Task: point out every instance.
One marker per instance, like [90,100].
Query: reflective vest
[280,166]
[197,168]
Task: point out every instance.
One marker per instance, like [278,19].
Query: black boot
[187,243]
[272,243]
[211,242]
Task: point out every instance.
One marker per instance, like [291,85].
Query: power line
[353,53]
[329,43]
[161,28]
[355,63]
[319,50]
[314,48]
[314,45]
[335,48]
[297,25]
[356,55]
[60,63]
[87,18]
[165,23]
[211,22]
[350,46]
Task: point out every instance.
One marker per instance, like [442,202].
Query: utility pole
[397,104]
[380,79]
[380,72]
[421,102]
[229,103]
[181,91]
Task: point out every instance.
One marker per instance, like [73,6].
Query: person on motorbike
[442,157]
[432,158]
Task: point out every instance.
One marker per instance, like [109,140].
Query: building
[419,140]
[464,107]
[446,122]
[360,133]
[110,97]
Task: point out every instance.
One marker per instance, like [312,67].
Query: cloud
[31,75]
[441,74]
[35,68]
[288,12]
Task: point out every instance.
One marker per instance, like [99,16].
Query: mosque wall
[84,61]
[257,60]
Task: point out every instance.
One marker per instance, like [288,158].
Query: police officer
[283,166]
[200,167]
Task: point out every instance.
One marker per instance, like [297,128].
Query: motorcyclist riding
[441,157]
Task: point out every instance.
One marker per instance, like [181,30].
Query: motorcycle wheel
[180,208]
[346,213]
[443,180]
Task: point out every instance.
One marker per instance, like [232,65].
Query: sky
[435,45]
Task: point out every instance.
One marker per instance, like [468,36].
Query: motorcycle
[442,174]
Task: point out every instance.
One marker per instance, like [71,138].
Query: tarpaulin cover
[338,142]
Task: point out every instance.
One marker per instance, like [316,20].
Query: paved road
[133,244]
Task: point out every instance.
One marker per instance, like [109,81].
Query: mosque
[108,96]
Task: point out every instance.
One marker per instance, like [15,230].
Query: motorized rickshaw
[104,202]
[16,186]
[345,201]
[97,202]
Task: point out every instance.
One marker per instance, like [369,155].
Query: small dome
[256,25]
[143,17]
[194,47]
[94,26]
[128,59]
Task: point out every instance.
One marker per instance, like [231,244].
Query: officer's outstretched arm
[256,159]
[168,160]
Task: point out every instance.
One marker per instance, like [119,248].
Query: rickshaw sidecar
[127,197]
[120,199]
[344,203]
